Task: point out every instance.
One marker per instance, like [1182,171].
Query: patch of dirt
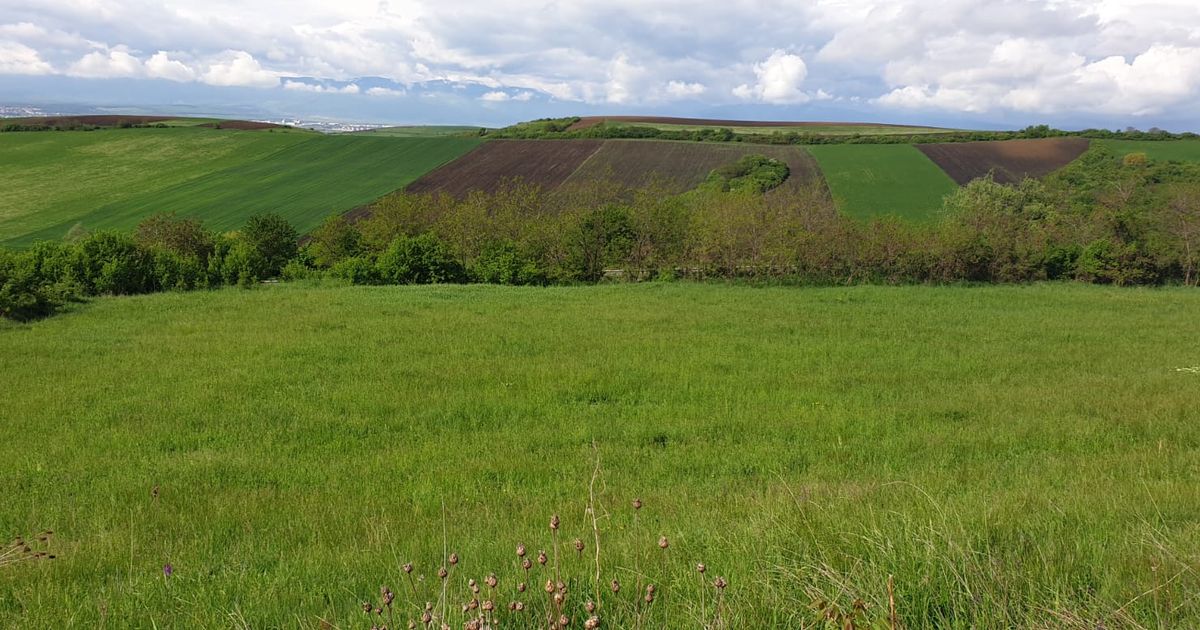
[546,163]
[1009,161]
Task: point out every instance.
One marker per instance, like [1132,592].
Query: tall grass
[1000,457]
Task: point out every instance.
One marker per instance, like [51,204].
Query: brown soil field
[681,166]
[591,121]
[1009,161]
[546,163]
[98,121]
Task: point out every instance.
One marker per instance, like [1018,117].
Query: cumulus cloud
[109,65]
[20,59]
[779,80]
[239,68]
[1118,57]
[162,66]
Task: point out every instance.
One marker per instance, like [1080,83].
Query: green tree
[274,240]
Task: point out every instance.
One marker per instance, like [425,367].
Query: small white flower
[1189,370]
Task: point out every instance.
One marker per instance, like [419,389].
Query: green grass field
[49,181]
[1013,456]
[1180,150]
[869,180]
[824,130]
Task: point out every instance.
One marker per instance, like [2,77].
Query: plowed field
[546,163]
[1009,161]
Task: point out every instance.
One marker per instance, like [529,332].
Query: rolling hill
[113,178]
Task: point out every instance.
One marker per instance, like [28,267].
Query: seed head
[512,605]
[366,606]
[521,587]
[521,551]
[559,598]
[663,543]
[471,583]
[168,570]
[649,598]
[616,586]
[412,625]
[526,564]
[491,580]
[378,611]
[520,606]
[637,504]
[578,545]
[426,618]
[442,572]
[554,522]
[428,605]
[408,567]
[590,606]
[700,568]
[650,589]
[453,559]
[542,558]
[488,605]
[388,597]
[473,604]
[720,583]
[592,623]
[563,621]
[549,586]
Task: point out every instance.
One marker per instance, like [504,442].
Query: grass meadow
[1021,456]
[869,180]
[119,177]
[1179,150]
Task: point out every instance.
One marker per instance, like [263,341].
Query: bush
[503,262]
[244,265]
[752,173]
[25,292]
[419,260]
[336,239]
[356,270]
[166,232]
[108,263]
[604,236]
[274,239]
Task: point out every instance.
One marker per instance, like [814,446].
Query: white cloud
[681,89]
[161,66]
[384,92]
[113,64]
[779,80]
[239,68]
[301,86]
[20,59]
[495,97]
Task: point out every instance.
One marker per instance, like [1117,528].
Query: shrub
[25,292]
[244,265]
[503,262]
[419,260]
[167,232]
[108,263]
[752,173]
[604,236]
[356,270]
[274,239]
[335,240]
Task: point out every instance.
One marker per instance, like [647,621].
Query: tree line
[1121,220]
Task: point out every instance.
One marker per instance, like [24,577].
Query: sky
[981,63]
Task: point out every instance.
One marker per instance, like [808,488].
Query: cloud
[779,79]
[239,68]
[110,65]
[303,86]
[682,90]
[20,59]
[978,57]
[161,66]
[384,92]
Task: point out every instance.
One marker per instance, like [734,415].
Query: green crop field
[1021,456]
[870,180]
[1181,150]
[49,181]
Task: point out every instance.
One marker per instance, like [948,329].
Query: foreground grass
[1017,456]
[870,180]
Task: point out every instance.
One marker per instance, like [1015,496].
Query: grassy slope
[1008,453]
[53,178]
[120,177]
[1181,150]
[878,179]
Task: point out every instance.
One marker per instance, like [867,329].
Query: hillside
[117,177]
